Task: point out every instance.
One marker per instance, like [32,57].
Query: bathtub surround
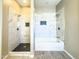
[60,24]
[45,33]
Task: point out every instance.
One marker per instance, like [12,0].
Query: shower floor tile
[22,47]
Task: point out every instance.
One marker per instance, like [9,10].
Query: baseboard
[69,54]
[6,56]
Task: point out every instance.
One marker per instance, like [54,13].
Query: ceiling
[46,3]
[39,3]
[23,3]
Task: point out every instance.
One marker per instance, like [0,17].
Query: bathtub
[46,44]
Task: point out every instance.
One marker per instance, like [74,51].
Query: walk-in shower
[19,26]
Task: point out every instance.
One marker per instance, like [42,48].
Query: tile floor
[22,47]
[43,55]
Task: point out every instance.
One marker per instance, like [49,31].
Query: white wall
[60,23]
[13,40]
[24,31]
[18,36]
[48,15]
[0,27]
[45,35]
[45,31]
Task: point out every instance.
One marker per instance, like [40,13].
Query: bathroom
[36,27]
[50,28]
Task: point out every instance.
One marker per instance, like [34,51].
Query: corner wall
[72,26]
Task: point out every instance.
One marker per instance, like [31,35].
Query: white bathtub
[46,44]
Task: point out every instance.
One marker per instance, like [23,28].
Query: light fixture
[24,1]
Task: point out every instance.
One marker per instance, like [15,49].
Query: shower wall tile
[60,24]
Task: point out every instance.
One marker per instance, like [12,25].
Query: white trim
[21,54]
[6,56]
[69,54]
[31,26]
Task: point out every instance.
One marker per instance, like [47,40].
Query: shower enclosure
[19,28]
